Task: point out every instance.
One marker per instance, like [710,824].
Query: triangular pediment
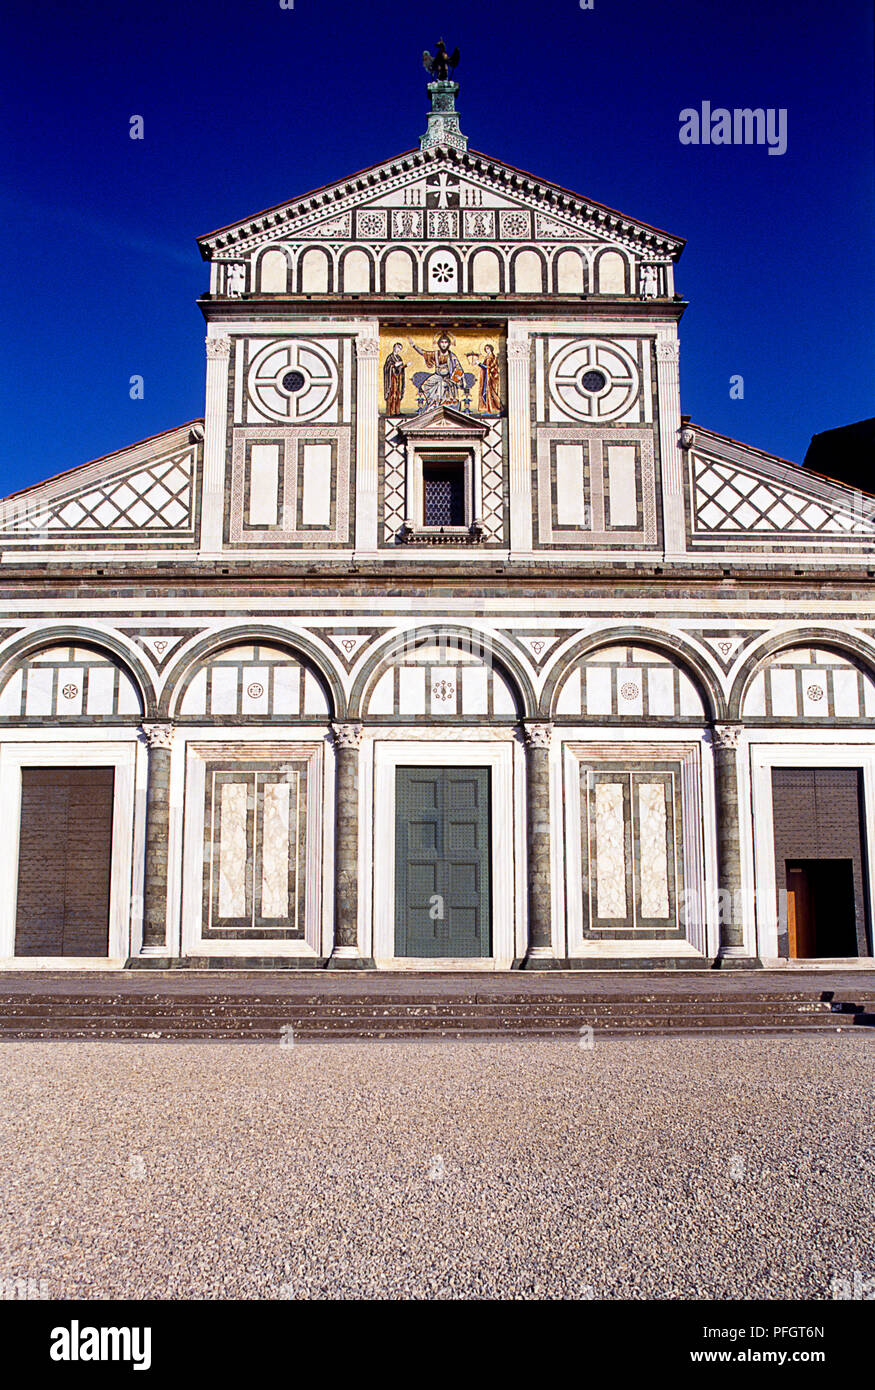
[443,422]
[441,194]
[145,493]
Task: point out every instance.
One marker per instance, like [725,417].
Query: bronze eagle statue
[442,64]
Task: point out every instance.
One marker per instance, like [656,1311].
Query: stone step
[325,999]
[364,1034]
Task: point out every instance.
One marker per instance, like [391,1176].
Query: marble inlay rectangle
[610,850]
[275,850]
[653,868]
[232,850]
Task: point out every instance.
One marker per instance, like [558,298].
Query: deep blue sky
[247,104]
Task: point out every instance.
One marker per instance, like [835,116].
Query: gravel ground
[668,1168]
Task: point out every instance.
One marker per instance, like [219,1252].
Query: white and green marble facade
[245,618]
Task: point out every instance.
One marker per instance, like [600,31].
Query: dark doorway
[821,920]
[442,869]
[64,855]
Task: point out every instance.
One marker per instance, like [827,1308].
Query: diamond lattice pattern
[728,499]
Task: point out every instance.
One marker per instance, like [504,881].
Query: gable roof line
[101,458]
[776,458]
[430,156]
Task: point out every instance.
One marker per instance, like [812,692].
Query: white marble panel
[275,851]
[316,486]
[691,700]
[622,486]
[815,693]
[503,702]
[411,690]
[783,684]
[255,680]
[610,851]
[10,696]
[38,699]
[660,690]
[264,463]
[654,850]
[315,701]
[381,701]
[194,701]
[232,850]
[129,701]
[630,694]
[570,497]
[223,699]
[287,689]
[101,686]
[475,689]
[569,695]
[599,684]
[444,685]
[755,699]
[847,694]
[70,678]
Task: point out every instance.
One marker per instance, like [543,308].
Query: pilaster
[367,420]
[215,438]
[519,444]
[669,405]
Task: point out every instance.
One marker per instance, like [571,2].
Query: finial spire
[443,118]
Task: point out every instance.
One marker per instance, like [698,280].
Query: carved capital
[537,735]
[725,735]
[347,735]
[667,350]
[519,350]
[368,349]
[158,735]
[218,347]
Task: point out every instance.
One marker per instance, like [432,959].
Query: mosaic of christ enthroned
[461,369]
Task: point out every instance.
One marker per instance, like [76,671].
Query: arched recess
[664,681]
[255,653]
[356,272]
[813,674]
[527,272]
[487,272]
[72,673]
[273,271]
[315,272]
[445,672]
[569,273]
[398,271]
[611,271]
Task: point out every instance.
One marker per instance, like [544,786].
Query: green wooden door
[442,887]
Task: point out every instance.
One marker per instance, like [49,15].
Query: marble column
[537,739]
[160,740]
[519,413]
[215,427]
[347,742]
[724,738]
[367,420]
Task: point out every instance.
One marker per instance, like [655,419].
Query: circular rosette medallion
[293,380]
[593,379]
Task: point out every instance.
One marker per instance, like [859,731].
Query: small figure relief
[236,279]
[394,379]
[489,395]
[479,224]
[406,222]
[649,282]
[440,386]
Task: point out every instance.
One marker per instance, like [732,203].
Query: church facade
[443,640]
